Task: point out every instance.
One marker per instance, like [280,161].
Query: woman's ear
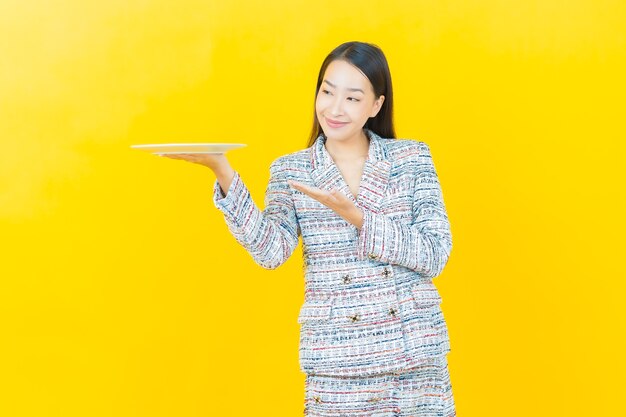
[377,106]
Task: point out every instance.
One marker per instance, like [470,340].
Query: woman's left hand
[334,200]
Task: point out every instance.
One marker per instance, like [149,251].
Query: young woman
[369,208]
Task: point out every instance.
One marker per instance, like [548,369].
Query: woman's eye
[353,99]
[326,92]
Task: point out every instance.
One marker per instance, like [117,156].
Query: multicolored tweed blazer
[370,304]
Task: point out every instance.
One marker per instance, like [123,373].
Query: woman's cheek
[320,103]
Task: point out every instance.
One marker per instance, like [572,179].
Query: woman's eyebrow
[349,89]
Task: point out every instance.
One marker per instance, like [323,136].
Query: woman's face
[345,101]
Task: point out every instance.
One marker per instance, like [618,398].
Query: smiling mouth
[333,123]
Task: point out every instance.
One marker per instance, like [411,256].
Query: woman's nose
[336,107]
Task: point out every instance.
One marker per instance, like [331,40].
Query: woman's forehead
[343,75]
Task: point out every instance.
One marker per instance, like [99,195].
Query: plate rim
[191,145]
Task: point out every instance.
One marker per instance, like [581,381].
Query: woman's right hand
[218,163]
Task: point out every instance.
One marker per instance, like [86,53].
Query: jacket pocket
[424,328]
[425,294]
[315,311]
[426,303]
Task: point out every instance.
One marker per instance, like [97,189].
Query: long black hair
[371,61]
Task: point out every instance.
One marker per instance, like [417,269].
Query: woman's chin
[333,133]
[334,136]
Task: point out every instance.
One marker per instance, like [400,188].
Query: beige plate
[174,148]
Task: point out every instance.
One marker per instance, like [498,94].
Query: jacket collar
[321,157]
[375,177]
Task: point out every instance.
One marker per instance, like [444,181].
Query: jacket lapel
[326,175]
[374,180]
[375,174]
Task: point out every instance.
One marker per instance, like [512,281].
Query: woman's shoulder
[296,159]
[402,148]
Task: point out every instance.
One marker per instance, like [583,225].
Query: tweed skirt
[424,391]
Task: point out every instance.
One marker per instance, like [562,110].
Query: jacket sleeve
[271,235]
[424,245]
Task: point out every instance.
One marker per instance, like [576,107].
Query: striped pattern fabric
[423,391]
[370,306]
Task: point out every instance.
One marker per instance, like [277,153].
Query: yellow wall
[121,291]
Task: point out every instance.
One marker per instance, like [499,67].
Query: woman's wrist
[356,217]
[225,178]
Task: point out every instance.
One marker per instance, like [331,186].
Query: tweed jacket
[370,305]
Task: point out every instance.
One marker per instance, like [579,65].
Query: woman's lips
[335,124]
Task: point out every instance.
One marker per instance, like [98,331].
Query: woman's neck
[349,149]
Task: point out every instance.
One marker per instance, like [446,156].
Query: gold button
[318,400]
[354,318]
[346,279]
[372,256]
